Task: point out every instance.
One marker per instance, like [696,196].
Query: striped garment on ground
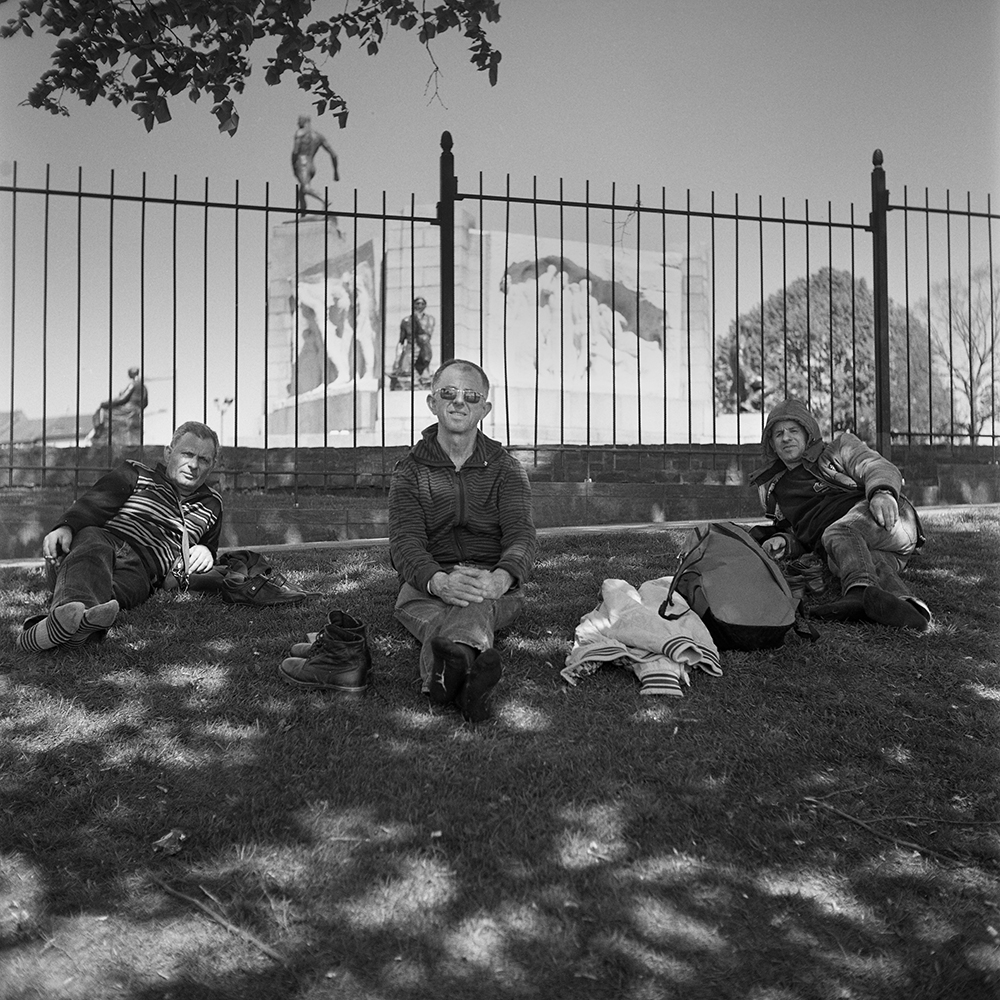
[660,642]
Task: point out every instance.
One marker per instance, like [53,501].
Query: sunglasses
[449,393]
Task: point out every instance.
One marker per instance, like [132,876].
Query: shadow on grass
[587,843]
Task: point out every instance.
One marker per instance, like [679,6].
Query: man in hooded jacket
[843,500]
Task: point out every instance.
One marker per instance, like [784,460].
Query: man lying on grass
[843,500]
[125,535]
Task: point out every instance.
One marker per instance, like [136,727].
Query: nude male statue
[306,145]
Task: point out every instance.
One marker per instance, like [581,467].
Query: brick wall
[343,493]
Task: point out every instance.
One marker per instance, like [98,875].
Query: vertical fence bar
[354,342]
[973,378]
[737,374]
[13,323]
[809,339]
[951,326]
[173,307]
[663,269]
[204,309]
[446,222]
[562,320]
[267,319]
[930,325]
[687,295]
[482,272]
[142,309]
[880,281]
[111,314]
[506,299]
[638,322]
[784,306]
[589,297]
[45,327]
[614,332]
[236,325]
[829,300]
[854,325]
[413,335]
[763,346]
[79,317]
[714,341]
[993,327]
[906,320]
[295,357]
[538,314]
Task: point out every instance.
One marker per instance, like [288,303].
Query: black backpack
[736,589]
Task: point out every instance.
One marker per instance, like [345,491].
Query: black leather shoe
[452,663]
[264,590]
[339,662]
[849,608]
[884,608]
[484,675]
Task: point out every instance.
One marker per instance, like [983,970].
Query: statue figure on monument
[411,366]
[306,144]
[123,413]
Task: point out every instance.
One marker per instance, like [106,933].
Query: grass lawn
[822,821]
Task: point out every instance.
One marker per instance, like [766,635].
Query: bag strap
[681,559]
[802,627]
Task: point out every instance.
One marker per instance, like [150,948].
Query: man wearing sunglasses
[462,539]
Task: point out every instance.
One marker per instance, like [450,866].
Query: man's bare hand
[200,560]
[466,585]
[884,509]
[459,588]
[57,542]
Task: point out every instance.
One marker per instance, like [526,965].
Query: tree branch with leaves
[142,54]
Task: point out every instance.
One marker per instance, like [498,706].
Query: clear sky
[760,97]
[756,98]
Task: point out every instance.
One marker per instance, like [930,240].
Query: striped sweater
[144,508]
[480,515]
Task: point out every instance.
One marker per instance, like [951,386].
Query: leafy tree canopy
[815,340]
[143,53]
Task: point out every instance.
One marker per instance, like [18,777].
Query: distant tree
[965,334]
[141,53]
[818,345]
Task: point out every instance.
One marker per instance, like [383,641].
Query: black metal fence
[606,320]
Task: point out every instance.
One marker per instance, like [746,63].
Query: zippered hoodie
[480,515]
[144,508]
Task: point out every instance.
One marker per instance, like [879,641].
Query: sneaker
[484,675]
[452,663]
[337,618]
[339,661]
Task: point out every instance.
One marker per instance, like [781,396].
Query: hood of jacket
[789,409]
[427,451]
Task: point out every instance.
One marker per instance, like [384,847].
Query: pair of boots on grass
[338,659]
[70,624]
